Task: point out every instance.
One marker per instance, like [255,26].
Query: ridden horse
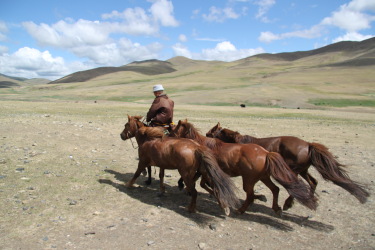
[252,163]
[299,155]
[185,155]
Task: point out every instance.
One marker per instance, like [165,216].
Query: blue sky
[53,38]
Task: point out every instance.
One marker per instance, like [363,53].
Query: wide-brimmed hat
[158,87]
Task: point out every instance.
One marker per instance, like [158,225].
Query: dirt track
[63,168]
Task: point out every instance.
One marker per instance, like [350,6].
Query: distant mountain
[148,67]
[357,54]
[14,77]
[366,46]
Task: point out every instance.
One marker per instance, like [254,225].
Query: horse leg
[137,173]
[275,192]
[248,187]
[194,194]
[311,180]
[161,177]
[148,182]
[181,184]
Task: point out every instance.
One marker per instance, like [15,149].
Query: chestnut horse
[252,163]
[299,155]
[185,155]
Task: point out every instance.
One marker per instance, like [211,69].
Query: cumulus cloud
[220,14]
[224,51]
[162,11]
[181,50]
[352,36]
[32,63]
[352,18]
[95,42]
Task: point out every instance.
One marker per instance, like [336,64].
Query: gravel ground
[63,167]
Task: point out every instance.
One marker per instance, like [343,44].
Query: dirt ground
[63,167]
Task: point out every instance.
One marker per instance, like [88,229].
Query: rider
[161,110]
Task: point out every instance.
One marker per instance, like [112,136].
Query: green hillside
[337,75]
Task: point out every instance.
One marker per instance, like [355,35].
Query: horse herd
[224,153]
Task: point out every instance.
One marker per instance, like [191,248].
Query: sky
[53,38]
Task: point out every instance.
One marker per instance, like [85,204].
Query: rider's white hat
[158,87]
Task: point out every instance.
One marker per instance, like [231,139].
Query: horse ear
[218,124]
[129,117]
[138,117]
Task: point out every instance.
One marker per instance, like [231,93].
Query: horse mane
[237,137]
[151,132]
[194,134]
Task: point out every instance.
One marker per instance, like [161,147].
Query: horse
[299,155]
[253,163]
[185,155]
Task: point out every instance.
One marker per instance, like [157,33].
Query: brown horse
[185,155]
[252,163]
[299,155]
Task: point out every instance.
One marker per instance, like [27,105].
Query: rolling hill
[339,74]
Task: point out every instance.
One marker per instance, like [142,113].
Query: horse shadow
[207,206]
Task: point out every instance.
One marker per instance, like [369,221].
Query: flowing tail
[223,187]
[281,172]
[332,170]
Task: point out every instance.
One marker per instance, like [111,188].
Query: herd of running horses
[223,153]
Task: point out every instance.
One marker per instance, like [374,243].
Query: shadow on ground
[207,206]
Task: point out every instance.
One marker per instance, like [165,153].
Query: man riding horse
[160,113]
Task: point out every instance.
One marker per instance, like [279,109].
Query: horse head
[131,127]
[214,131]
[224,134]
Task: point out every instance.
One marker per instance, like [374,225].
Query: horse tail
[223,187]
[281,172]
[332,170]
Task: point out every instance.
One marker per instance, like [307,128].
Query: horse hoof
[227,211]
[128,185]
[240,211]
[279,213]
[287,206]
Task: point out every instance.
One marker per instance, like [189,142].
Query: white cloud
[32,63]
[3,49]
[352,36]
[181,50]
[182,38]
[162,10]
[220,15]
[3,29]
[351,17]
[313,32]
[264,6]
[68,35]
[226,51]
[119,53]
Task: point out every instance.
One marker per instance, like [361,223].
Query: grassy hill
[337,75]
